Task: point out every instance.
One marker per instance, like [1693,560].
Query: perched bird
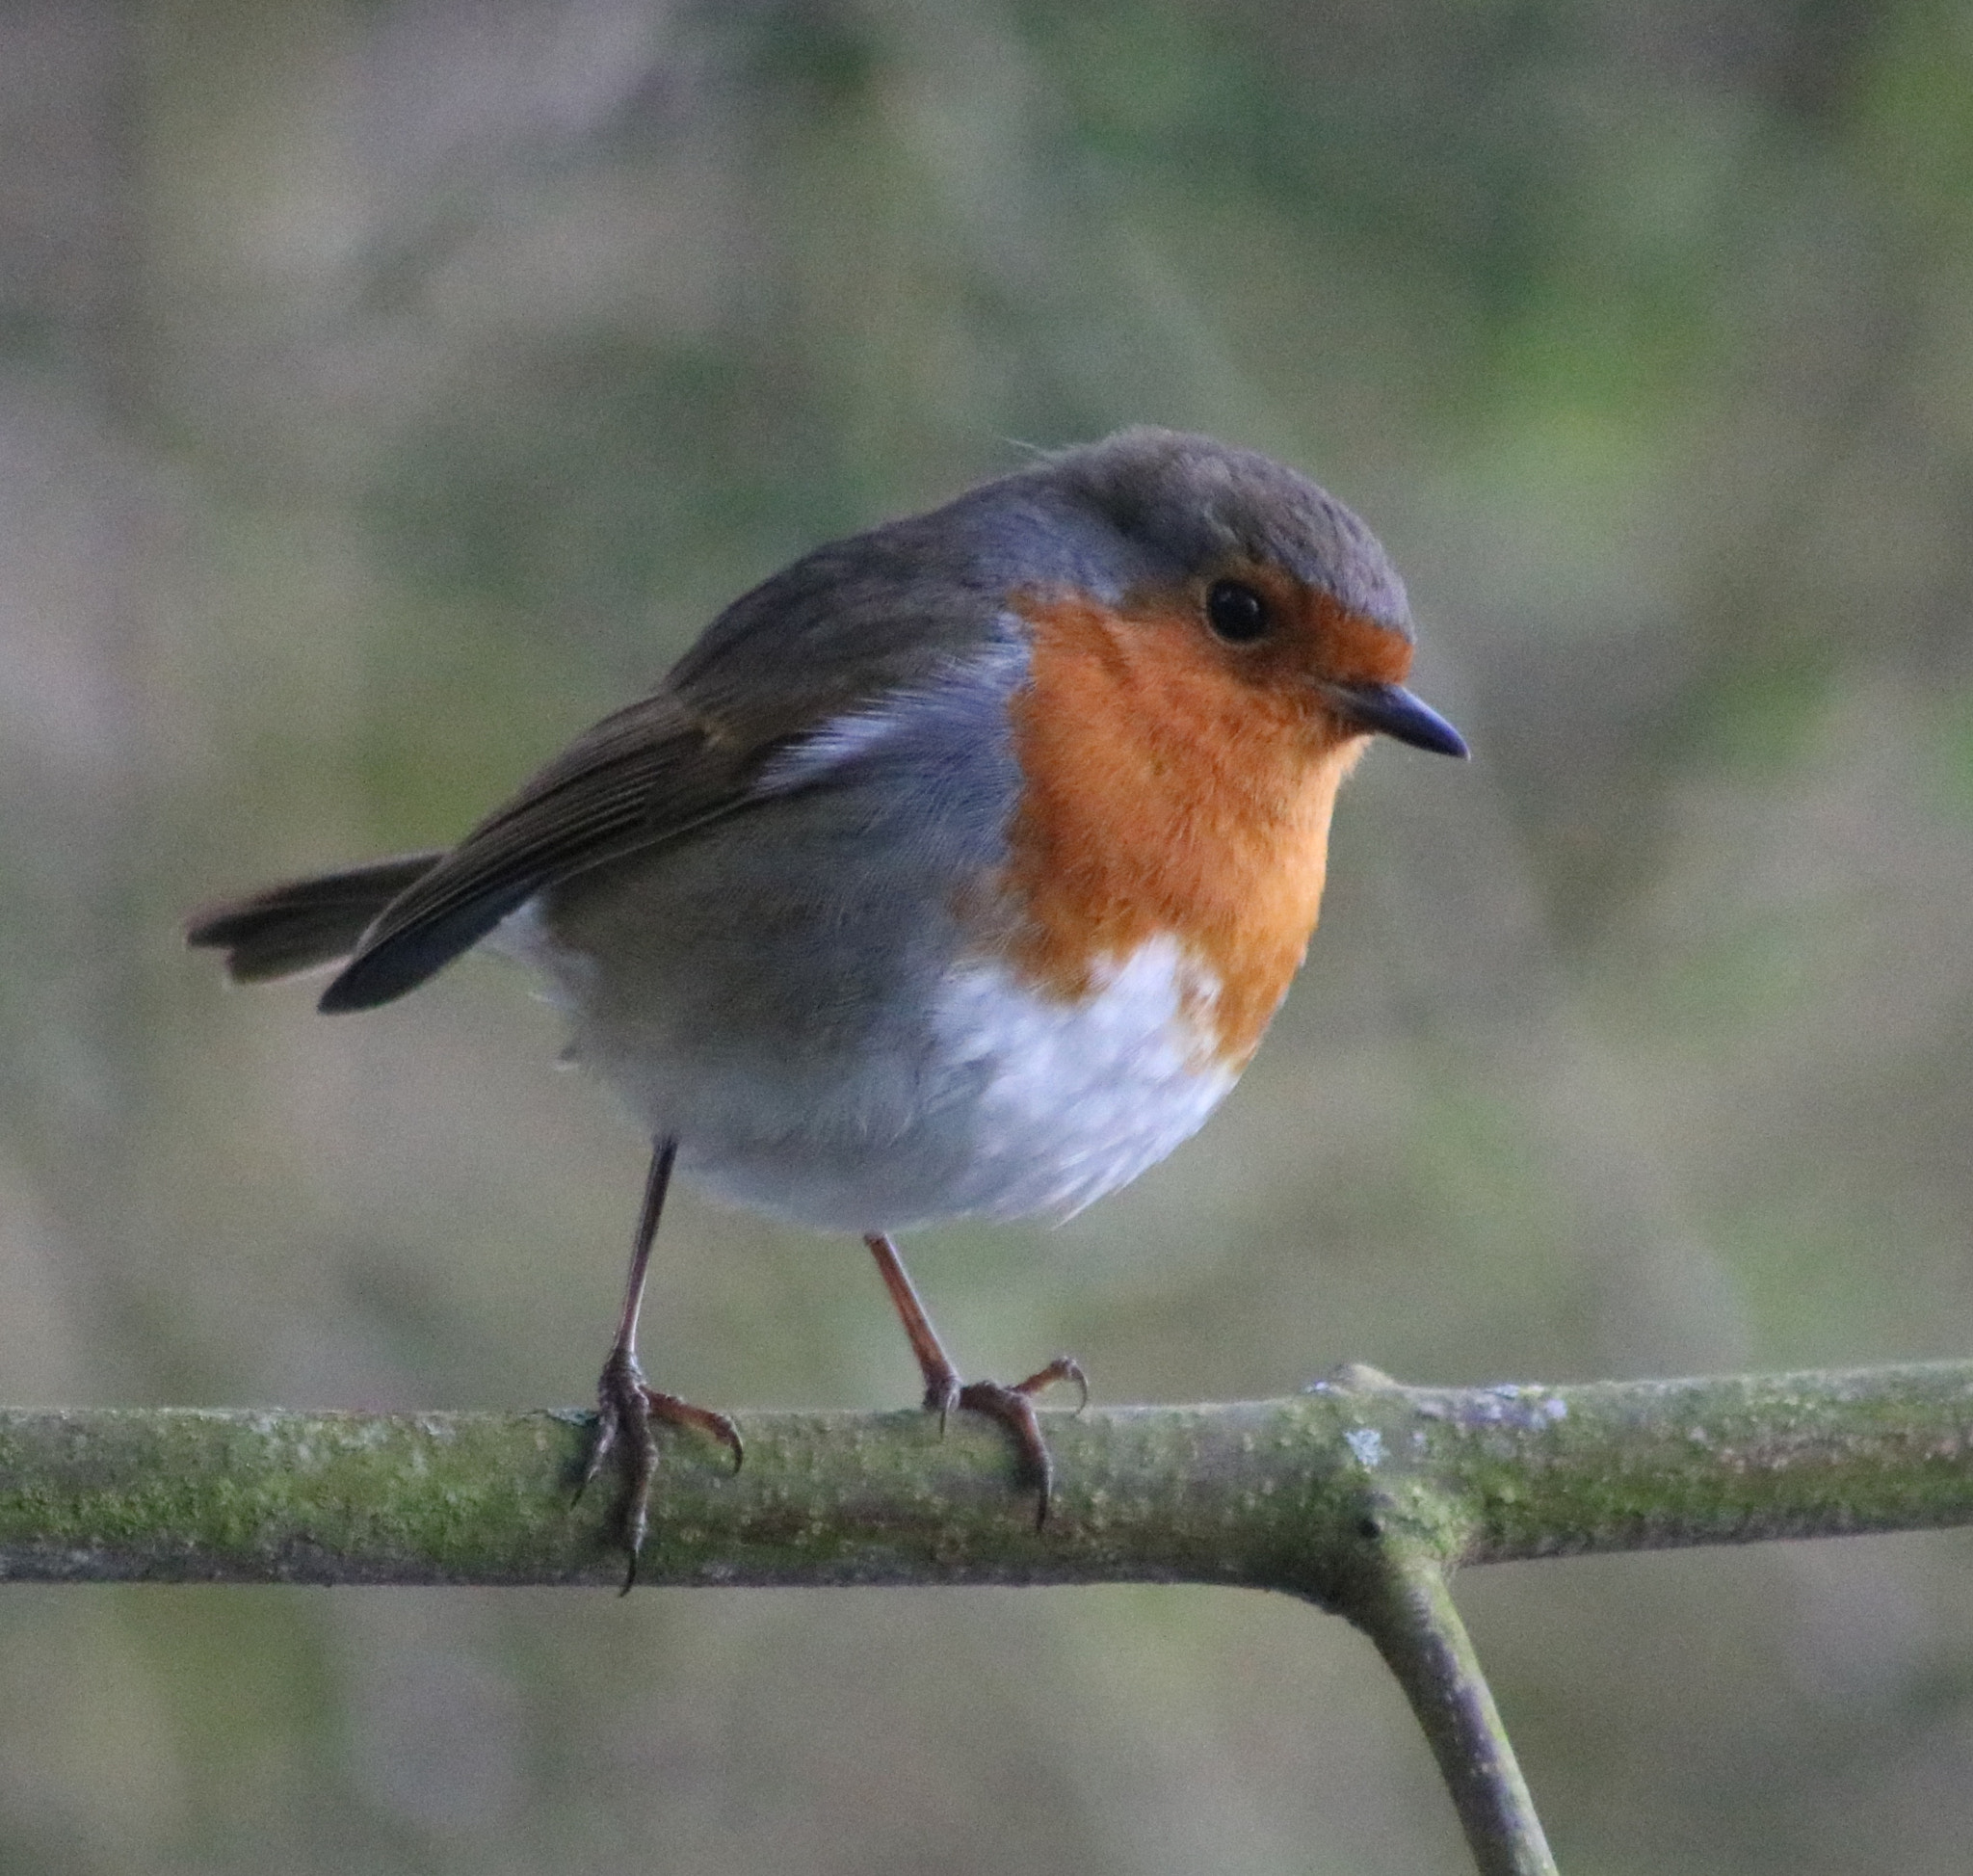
[955,871]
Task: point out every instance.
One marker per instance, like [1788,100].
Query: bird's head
[1251,571]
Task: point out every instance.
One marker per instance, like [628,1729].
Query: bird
[955,871]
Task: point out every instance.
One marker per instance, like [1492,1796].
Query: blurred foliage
[386,389]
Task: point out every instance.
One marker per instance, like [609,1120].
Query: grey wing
[648,774]
[849,623]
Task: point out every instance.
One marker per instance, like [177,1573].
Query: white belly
[1022,1103]
[1078,1098]
[994,1100]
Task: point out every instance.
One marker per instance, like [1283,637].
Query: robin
[955,871]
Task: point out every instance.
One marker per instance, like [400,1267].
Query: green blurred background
[386,390]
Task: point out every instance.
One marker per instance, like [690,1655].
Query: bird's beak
[1391,710]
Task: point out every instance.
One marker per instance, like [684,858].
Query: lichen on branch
[1296,1494]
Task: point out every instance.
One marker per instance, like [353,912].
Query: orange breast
[1171,788]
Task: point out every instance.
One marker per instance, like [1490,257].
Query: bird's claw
[1013,1406]
[626,1409]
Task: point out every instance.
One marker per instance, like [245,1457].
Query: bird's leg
[625,1406]
[1013,1407]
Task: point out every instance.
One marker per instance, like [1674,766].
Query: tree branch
[1360,1494]
[1425,1644]
[1291,1495]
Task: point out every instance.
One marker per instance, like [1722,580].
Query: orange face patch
[1179,786]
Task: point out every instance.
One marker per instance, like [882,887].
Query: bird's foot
[1013,1407]
[626,1412]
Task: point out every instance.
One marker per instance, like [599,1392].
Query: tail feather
[302,923]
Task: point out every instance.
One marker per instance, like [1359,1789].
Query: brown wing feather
[645,775]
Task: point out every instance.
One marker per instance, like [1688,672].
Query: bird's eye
[1236,612]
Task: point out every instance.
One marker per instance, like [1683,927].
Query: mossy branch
[1291,1495]
[1360,1494]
